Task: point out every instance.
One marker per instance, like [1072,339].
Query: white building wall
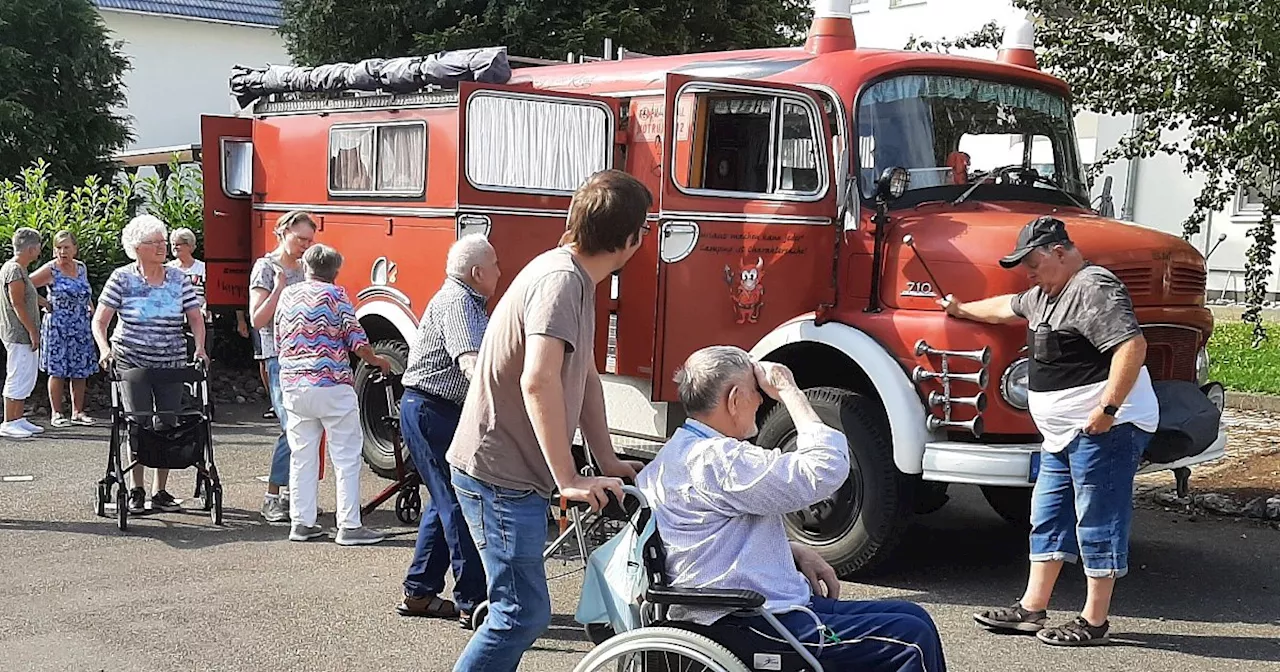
[181,69]
[1162,195]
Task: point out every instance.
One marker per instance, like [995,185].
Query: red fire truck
[811,204]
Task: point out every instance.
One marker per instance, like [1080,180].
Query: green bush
[178,198]
[95,212]
[1238,365]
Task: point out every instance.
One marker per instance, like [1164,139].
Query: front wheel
[379,446]
[862,523]
[1012,504]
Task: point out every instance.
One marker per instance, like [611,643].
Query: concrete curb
[1246,401]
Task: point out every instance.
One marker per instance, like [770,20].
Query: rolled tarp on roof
[394,75]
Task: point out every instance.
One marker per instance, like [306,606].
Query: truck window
[750,143]
[237,168]
[378,160]
[526,143]
[952,131]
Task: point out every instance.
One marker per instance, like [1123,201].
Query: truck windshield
[952,132]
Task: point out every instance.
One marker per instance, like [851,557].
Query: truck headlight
[1013,384]
[1202,367]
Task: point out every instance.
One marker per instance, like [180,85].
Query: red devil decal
[746,292]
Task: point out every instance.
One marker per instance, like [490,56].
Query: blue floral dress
[66,340]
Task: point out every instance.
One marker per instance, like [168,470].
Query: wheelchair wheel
[409,506]
[661,649]
[122,508]
[478,615]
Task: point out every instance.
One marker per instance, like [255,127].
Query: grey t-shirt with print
[1091,316]
[11,328]
[263,276]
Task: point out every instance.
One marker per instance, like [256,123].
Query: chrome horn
[983,355]
[974,426]
[921,374]
[978,401]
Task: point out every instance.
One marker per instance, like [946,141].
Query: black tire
[206,496]
[862,523]
[101,498]
[379,451]
[216,514]
[409,506]
[1012,504]
[122,508]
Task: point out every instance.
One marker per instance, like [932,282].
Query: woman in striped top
[315,329]
[153,302]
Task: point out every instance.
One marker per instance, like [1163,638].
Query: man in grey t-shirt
[20,332]
[270,275]
[1091,397]
[535,381]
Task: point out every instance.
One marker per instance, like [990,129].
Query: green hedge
[1239,366]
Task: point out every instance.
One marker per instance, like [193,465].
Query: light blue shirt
[719,505]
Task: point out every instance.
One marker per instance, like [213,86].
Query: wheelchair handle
[627,490]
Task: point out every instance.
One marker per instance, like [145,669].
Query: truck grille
[1171,352]
[1138,280]
[1187,280]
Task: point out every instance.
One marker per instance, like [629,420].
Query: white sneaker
[14,430]
[29,426]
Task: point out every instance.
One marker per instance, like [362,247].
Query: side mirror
[841,162]
[892,184]
[1107,206]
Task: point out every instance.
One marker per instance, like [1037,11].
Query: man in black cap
[1090,396]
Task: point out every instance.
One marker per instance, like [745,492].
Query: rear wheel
[379,450]
[862,523]
[1013,504]
[122,508]
[661,648]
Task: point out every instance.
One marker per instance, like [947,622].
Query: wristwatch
[1110,410]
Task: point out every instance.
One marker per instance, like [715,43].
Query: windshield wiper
[1037,178]
[983,180]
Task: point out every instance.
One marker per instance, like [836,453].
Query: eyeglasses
[152,242]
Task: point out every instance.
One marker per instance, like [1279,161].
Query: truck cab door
[522,153]
[227,163]
[747,227]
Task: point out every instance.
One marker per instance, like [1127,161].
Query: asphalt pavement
[177,593]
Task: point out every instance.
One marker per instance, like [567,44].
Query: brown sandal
[428,607]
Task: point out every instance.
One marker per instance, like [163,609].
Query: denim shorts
[1082,505]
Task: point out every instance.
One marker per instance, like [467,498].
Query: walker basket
[179,447]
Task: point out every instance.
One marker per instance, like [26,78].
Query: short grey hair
[470,251]
[25,238]
[702,380]
[322,262]
[183,235]
[138,229]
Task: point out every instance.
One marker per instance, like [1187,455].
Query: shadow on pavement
[1205,646]
[185,529]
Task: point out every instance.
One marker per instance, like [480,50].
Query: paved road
[176,593]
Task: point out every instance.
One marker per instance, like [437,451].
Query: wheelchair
[662,644]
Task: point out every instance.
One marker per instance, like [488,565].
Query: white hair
[138,229]
[470,251]
[705,375]
[183,235]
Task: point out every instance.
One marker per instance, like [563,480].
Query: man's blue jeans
[427,425]
[888,635]
[510,531]
[1082,504]
[280,458]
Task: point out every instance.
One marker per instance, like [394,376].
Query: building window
[861,6]
[237,168]
[527,143]
[904,3]
[385,160]
[1249,202]
[749,143]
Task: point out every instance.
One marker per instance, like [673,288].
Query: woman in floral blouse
[316,328]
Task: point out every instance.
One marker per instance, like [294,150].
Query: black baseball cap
[1042,231]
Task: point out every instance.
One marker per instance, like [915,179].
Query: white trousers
[334,413]
[22,363]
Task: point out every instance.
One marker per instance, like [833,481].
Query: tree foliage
[1203,78]
[60,88]
[327,31]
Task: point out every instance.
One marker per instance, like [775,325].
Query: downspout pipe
[1131,178]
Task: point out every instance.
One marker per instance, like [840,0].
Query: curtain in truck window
[402,152]
[351,159]
[535,145]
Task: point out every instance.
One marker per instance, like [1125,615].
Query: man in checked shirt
[441,361]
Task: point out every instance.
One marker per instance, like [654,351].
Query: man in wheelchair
[719,502]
